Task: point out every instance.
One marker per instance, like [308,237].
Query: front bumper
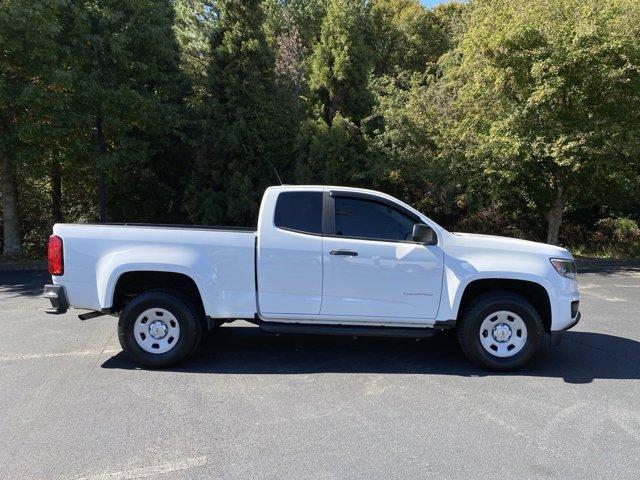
[556,335]
[58,299]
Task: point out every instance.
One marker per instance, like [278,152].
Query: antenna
[277,175]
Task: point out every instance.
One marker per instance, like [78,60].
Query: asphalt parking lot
[252,405]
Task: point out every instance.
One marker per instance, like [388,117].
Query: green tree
[242,133]
[404,143]
[292,28]
[128,104]
[550,92]
[330,154]
[193,23]
[340,65]
[31,75]
[305,15]
[330,146]
[405,35]
[403,132]
[450,18]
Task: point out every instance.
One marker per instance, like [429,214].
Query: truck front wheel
[500,331]
[158,329]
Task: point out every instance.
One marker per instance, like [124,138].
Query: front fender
[459,273]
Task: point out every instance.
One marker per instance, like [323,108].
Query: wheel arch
[533,292]
[132,282]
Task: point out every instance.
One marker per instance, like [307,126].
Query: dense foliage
[517,117]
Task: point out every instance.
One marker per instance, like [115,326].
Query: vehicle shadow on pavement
[582,357]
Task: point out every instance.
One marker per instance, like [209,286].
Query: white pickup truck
[323,260]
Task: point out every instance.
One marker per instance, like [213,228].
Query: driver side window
[356,217]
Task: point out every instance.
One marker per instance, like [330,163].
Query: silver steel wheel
[156,330]
[503,334]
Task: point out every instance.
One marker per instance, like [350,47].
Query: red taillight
[54,254]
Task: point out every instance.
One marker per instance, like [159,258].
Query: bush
[617,236]
[493,221]
[575,234]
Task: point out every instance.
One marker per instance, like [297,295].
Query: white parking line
[36,356]
[149,470]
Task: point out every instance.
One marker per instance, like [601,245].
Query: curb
[586,265]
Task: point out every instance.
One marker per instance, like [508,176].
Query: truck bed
[220,260]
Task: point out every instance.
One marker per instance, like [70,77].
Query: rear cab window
[299,211]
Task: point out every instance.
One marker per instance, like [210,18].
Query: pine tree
[128,104]
[242,140]
[331,148]
[29,73]
[340,65]
[193,22]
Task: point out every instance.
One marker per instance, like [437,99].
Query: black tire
[184,312]
[469,330]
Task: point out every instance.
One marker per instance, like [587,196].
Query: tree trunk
[55,175]
[100,150]
[12,240]
[554,216]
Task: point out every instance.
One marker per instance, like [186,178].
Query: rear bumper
[556,335]
[58,298]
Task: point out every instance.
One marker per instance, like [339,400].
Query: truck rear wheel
[158,329]
[500,331]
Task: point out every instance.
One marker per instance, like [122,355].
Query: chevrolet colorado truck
[323,260]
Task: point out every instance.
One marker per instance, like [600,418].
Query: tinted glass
[366,219]
[300,211]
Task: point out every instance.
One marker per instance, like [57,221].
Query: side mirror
[423,234]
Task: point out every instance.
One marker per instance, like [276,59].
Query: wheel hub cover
[158,329]
[501,333]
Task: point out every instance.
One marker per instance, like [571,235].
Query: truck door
[289,255]
[372,269]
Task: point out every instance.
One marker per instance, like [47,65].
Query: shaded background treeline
[516,117]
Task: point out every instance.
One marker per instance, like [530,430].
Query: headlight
[566,268]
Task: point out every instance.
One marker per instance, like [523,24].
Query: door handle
[346,253]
